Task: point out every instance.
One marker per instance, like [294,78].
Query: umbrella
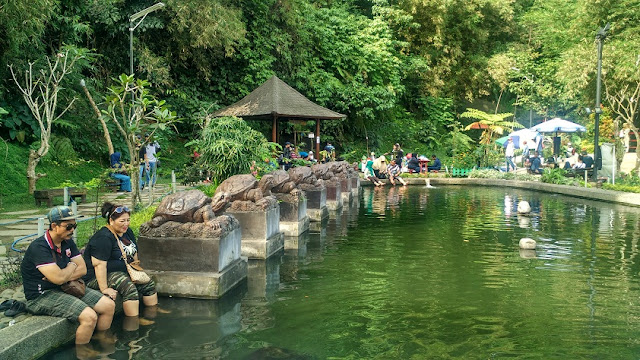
[477,125]
[558,125]
[502,140]
[520,136]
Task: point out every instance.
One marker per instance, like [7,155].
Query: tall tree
[40,89]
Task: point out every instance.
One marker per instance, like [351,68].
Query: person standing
[52,260]
[508,154]
[152,161]
[525,153]
[144,163]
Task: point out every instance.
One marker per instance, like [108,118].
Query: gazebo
[276,100]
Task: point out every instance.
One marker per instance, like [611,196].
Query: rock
[524,207]
[527,244]
[7,294]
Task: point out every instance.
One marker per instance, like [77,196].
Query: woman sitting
[106,270]
[119,172]
[370,175]
[393,171]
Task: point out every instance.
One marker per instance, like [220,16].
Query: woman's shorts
[122,283]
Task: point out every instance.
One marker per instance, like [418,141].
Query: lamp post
[531,81]
[600,36]
[140,14]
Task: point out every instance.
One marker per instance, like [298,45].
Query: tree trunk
[32,177]
[107,136]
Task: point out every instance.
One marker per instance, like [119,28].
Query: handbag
[76,287]
[136,272]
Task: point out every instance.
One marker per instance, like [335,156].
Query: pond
[424,273]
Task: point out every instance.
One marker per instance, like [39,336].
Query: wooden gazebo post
[317,139]
[274,127]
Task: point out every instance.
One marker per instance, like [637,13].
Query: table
[424,163]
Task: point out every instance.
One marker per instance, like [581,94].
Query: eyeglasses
[120,210]
[71,226]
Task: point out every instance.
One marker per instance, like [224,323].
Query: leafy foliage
[228,146]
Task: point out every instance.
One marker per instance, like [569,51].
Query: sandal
[15,309]
[6,305]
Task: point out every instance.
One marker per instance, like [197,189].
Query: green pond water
[420,273]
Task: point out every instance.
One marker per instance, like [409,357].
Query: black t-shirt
[103,246]
[141,153]
[39,254]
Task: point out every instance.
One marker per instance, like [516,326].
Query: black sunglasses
[70,227]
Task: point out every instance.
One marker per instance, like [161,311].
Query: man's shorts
[60,304]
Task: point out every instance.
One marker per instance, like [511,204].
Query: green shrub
[495,174]
[621,187]
[228,146]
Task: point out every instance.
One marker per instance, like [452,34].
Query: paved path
[628,162]
[10,231]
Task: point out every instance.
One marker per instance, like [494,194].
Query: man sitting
[52,260]
[587,160]
[435,164]
[393,171]
[412,163]
[536,164]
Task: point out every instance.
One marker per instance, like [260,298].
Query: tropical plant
[228,146]
[492,124]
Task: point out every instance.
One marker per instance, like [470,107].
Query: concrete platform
[261,235]
[293,216]
[260,249]
[334,198]
[204,285]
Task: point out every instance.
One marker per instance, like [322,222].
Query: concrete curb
[618,197]
[35,337]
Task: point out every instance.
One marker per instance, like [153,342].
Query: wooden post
[173,182]
[317,155]
[66,196]
[74,208]
[274,128]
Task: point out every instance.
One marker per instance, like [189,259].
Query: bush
[228,147]
[558,176]
[495,174]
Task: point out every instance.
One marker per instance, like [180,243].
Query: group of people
[148,165]
[289,153]
[53,262]
[376,168]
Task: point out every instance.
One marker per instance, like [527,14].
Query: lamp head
[146,11]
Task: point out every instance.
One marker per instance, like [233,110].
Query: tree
[135,111]
[624,104]
[40,90]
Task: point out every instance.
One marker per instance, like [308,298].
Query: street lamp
[140,14]
[600,36]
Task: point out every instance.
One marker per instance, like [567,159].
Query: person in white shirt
[508,154]
[152,149]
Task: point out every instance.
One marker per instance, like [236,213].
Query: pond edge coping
[610,196]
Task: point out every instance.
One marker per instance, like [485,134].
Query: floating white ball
[527,244]
[524,207]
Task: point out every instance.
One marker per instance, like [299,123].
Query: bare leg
[105,309]
[150,300]
[131,307]
[87,319]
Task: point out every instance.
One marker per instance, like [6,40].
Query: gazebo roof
[277,98]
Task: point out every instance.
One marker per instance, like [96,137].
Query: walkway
[10,231]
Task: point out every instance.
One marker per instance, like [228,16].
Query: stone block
[259,224]
[293,216]
[189,254]
[345,189]
[355,186]
[206,285]
[334,197]
[262,249]
[317,204]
